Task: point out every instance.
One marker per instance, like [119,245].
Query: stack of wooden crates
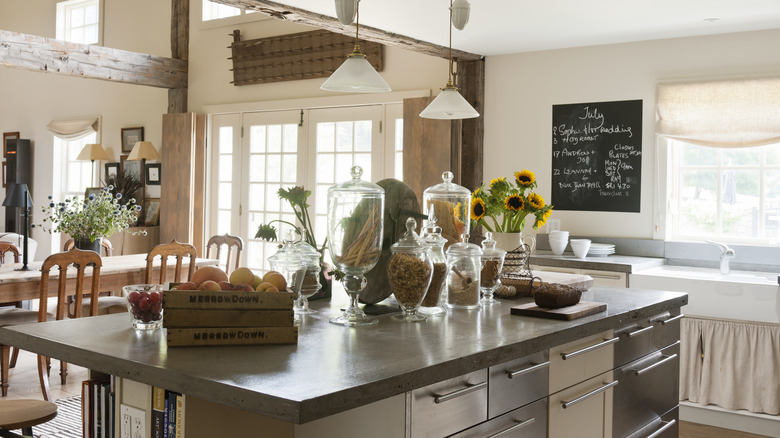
[199,318]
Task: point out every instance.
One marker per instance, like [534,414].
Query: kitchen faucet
[726,253]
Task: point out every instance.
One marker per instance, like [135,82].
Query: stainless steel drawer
[517,383]
[667,426]
[530,421]
[580,360]
[450,406]
[645,337]
[649,388]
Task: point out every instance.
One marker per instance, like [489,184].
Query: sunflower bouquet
[507,204]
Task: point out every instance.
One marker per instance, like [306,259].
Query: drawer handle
[532,368]
[514,427]
[640,331]
[657,364]
[441,398]
[673,319]
[606,277]
[666,425]
[606,386]
[606,342]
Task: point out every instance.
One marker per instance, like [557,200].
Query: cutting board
[583,308]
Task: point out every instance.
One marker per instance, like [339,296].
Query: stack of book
[167,413]
[97,408]
[199,318]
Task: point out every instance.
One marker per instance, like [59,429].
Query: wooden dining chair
[79,261]
[179,251]
[106,302]
[6,249]
[234,244]
[24,414]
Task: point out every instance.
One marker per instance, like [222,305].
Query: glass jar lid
[356,186]
[447,188]
[432,232]
[489,249]
[464,248]
[410,242]
[288,257]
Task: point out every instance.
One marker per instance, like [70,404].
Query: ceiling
[499,27]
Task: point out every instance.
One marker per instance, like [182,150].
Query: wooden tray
[583,308]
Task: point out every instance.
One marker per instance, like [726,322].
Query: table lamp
[19,196]
[92,152]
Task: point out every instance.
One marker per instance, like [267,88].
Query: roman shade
[731,114]
[73,129]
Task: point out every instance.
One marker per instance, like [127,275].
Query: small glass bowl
[144,302]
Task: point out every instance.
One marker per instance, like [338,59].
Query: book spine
[238,300]
[179,416]
[171,396]
[85,409]
[231,336]
[96,410]
[228,318]
[166,417]
[158,412]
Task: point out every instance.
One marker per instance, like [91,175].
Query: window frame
[65,7]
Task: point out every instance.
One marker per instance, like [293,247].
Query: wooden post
[180,43]
[471,81]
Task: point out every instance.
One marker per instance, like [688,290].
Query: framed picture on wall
[153,174]
[92,191]
[112,169]
[132,167]
[130,136]
[8,136]
[152,212]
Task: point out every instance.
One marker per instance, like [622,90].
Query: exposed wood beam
[96,62]
[180,43]
[302,16]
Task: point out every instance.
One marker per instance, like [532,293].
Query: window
[76,176]
[215,11]
[78,21]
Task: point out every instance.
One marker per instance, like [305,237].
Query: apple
[242,276]
[209,285]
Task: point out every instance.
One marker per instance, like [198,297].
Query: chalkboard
[597,156]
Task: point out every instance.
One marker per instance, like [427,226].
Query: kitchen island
[332,371]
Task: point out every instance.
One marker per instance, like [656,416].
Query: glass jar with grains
[409,272]
[463,274]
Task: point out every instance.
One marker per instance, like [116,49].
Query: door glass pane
[274,168]
[326,134]
[363,136]
[344,136]
[225,193]
[275,138]
[225,167]
[225,139]
[257,139]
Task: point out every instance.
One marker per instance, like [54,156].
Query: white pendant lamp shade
[460,13]
[448,105]
[345,11]
[356,75]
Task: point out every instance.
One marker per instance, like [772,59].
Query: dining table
[117,271]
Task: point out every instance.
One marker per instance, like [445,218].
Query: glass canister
[311,276]
[409,272]
[492,262]
[464,266]
[355,221]
[289,262]
[432,303]
[452,204]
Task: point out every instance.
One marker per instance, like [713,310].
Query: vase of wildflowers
[504,207]
[88,220]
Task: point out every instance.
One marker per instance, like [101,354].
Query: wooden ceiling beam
[302,16]
[48,55]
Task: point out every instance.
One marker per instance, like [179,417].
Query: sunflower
[536,201]
[514,202]
[496,183]
[477,208]
[525,178]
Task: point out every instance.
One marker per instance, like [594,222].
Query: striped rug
[67,424]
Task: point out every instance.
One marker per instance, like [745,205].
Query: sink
[742,295]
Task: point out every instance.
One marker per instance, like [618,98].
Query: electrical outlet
[553,225]
[133,422]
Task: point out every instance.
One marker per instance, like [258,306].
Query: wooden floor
[23,379]
[24,384]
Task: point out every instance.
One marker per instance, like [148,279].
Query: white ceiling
[511,26]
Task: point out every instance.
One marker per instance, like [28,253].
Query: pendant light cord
[450,75]
[357,26]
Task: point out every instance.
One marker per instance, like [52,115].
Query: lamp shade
[16,195]
[460,13]
[449,104]
[345,11]
[92,152]
[356,75]
[143,150]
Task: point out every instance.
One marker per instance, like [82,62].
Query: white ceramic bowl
[559,233]
[558,246]
[580,247]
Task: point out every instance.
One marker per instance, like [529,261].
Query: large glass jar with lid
[289,262]
[311,276]
[452,204]
[464,266]
[355,226]
[409,272]
[433,303]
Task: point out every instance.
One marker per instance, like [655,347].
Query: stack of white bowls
[558,240]
[580,247]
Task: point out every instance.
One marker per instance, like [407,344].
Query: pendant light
[345,11]
[356,75]
[450,104]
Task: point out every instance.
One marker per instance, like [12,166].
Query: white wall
[29,100]
[521,89]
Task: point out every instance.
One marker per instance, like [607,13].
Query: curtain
[732,364]
[740,113]
[73,129]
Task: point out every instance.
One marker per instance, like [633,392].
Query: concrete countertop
[614,262]
[332,368]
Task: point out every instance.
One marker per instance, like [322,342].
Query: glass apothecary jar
[433,303]
[409,272]
[492,263]
[464,266]
[355,226]
[289,262]
[452,204]
[311,276]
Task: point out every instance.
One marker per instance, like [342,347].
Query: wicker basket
[517,275]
